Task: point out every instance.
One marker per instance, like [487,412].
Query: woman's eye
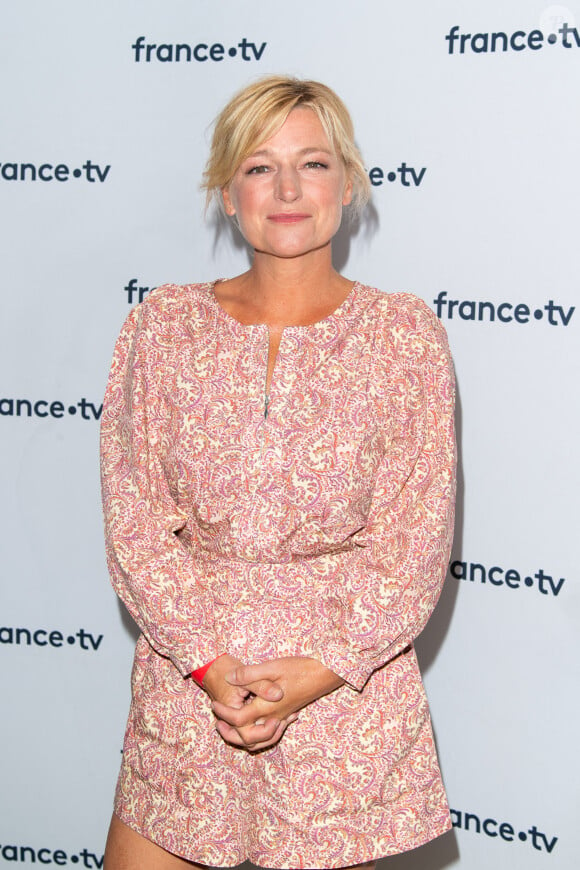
[316,164]
[257,170]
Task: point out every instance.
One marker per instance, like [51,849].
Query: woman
[278,479]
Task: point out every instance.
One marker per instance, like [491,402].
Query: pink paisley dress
[322,529]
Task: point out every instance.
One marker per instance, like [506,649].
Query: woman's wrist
[199,674]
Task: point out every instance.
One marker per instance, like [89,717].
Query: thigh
[128,850]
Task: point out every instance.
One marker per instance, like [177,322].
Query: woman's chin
[291,250]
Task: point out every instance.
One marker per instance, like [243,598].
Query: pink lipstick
[287,217]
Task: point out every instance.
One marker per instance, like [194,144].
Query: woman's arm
[391,584]
[154,574]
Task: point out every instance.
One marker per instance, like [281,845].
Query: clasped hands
[254,704]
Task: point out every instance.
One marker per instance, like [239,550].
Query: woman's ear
[228,204]
[347,196]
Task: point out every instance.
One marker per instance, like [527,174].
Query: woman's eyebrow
[265,152]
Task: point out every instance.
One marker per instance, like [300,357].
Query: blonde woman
[278,480]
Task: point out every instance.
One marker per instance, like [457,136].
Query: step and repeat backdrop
[468,118]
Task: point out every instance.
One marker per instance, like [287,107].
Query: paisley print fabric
[321,530]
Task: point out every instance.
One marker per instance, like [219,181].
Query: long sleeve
[151,570]
[393,579]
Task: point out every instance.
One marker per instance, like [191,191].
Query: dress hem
[255,860]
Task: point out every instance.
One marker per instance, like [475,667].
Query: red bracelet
[201,672]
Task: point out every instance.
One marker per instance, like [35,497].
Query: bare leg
[128,850]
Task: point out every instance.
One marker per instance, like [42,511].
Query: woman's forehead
[302,131]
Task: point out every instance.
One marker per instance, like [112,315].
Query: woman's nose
[288,185]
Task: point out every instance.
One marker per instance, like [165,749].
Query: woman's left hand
[303,680]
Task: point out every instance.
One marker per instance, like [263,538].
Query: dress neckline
[339,312]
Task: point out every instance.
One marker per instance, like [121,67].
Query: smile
[288,218]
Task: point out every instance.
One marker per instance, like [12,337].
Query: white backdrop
[473,152]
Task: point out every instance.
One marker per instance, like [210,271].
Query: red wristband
[201,672]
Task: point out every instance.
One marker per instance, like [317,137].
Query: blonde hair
[258,111]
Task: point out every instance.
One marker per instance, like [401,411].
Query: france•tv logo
[184,52]
[504,312]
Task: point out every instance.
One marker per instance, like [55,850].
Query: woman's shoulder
[396,302]
[400,309]
[404,326]
[168,297]
[171,305]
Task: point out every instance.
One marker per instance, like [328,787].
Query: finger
[272,742]
[266,689]
[246,739]
[264,744]
[234,696]
[239,717]
[259,732]
[229,734]
[243,675]
[251,736]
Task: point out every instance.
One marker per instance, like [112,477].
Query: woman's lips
[287,217]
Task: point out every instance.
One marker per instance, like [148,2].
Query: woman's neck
[284,292]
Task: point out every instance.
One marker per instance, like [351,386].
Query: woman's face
[288,195]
